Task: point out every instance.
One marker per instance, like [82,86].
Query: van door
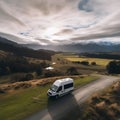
[60,91]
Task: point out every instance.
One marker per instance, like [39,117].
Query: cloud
[64,32]
[60,22]
[83,5]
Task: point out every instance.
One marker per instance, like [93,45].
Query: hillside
[105,106]
[17,49]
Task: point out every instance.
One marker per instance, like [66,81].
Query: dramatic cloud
[60,22]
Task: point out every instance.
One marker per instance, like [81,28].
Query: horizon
[60,22]
[42,41]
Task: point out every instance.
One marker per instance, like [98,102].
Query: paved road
[64,105]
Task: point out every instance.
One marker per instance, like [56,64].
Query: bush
[85,63]
[72,71]
[22,85]
[52,73]
[93,63]
[76,62]
[39,70]
[2,91]
[21,77]
[29,76]
[113,67]
[82,62]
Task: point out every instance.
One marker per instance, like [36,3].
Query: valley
[25,79]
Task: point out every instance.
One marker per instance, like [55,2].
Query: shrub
[52,73]
[85,63]
[76,62]
[39,70]
[29,76]
[22,85]
[21,77]
[1,91]
[72,71]
[113,67]
[93,63]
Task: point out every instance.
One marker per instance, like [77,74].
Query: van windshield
[54,88]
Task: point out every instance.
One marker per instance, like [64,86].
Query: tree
[85,63]
[93,63]
[72,71]
[52,73]
[29,76]
[39,70]
[113,67]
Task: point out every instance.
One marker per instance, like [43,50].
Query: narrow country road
[64,105]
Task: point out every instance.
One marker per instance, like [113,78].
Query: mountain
[90,47]
[6,41]
[17,49]
[35,46]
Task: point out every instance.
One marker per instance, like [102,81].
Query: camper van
[61,87]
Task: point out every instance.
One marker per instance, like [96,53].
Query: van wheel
[56,97]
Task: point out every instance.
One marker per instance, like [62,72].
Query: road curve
[64,105]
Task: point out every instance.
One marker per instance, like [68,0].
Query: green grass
[83,81]
[20,104]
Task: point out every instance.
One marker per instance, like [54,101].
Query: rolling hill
[17,49]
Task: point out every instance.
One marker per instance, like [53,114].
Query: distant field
[102,62]
[19,104]
[64,61]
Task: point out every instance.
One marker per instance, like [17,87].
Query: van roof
[65,80]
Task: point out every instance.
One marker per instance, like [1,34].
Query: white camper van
[61,87]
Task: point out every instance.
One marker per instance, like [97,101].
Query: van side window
[68,85]
[59,89]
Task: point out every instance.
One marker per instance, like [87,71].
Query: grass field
[102,62]
[65,61]
[22,103]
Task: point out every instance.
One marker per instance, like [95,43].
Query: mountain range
[80,47]
[90,47]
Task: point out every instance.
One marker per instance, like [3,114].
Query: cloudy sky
[48,22]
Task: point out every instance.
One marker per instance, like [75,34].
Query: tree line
[113,67]
[17,64]
[102,55]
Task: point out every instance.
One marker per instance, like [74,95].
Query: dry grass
[102,62]
[38,82]
[76,58]
[62,63]
[104,106]
[3,53]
